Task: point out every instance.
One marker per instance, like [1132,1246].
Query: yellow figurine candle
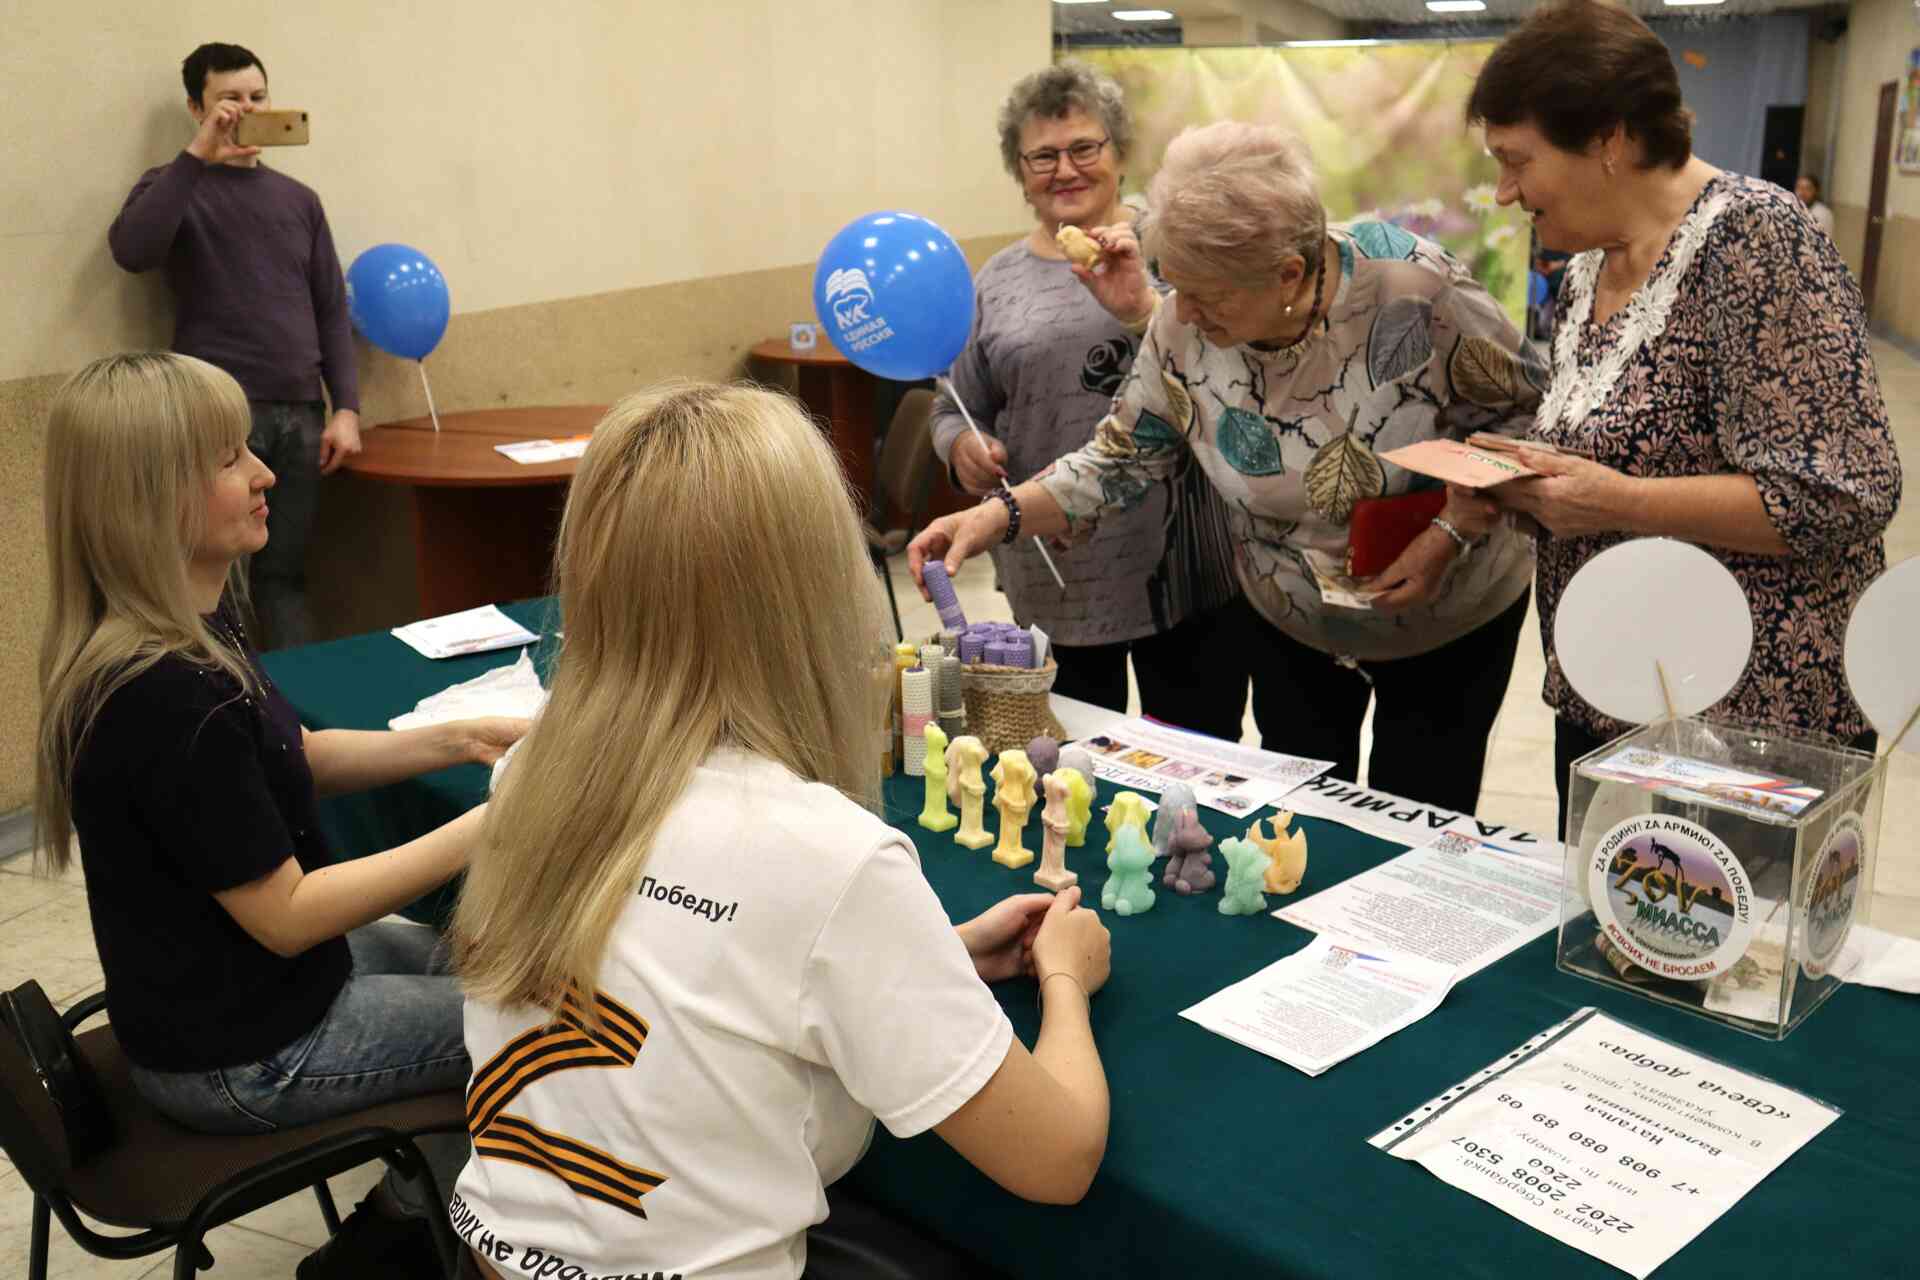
[1127,810]
[1013,796]
[935,816]
[1079,805]
[966,788]
[1288,851]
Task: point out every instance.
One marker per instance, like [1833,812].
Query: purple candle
[940,587]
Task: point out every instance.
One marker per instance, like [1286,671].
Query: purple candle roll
[1020,650]
[972,647]
[997,655]
[940,587]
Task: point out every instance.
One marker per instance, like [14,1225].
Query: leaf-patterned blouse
[1744,353]
[1412,349]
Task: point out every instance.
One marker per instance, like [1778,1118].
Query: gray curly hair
[1050,94]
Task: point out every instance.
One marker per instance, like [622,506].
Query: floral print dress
[1413,349]
[1744,353]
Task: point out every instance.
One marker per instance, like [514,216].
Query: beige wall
[1824,58]
[616,192]
[1880,35]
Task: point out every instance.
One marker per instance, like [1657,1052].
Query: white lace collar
[1577,390]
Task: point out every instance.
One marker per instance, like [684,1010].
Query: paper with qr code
[1324,1003]
[1457,901]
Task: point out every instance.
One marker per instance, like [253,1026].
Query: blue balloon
[894,294]
[398,299]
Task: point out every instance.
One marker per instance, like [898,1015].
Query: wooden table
[484,524]
[839,393]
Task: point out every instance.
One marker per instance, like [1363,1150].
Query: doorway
[1877,194]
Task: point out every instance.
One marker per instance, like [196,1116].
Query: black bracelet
[1005,494]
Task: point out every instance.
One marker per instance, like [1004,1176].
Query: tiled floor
[44,931]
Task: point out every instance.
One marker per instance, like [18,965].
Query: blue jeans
[286,436]
[393,1032]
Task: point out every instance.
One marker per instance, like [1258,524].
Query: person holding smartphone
[259,293]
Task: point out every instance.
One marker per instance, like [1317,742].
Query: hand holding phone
[214,143]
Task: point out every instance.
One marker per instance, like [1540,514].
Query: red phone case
[1381,528]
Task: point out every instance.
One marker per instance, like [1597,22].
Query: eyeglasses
[1047,159]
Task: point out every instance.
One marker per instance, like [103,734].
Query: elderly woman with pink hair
[1289,356]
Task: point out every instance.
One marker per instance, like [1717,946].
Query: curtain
[1731,71]
[1384,123]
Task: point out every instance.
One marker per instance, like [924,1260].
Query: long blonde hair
[133,442]
[716,591]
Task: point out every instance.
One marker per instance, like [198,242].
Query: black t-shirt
[185,787]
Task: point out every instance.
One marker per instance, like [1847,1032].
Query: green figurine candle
[1129,889]
[935,816]
[1246,876]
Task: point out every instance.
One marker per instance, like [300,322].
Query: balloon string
[431,411]
[946,384]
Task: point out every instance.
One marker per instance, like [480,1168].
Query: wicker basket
[1008,707]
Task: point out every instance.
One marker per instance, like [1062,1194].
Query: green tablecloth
[1222,1162]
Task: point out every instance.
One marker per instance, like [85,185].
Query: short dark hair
[209,58]
[1576,69]
[1052,92]
[1807,177]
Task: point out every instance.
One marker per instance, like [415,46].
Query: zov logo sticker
[1833,893]
[1672,897]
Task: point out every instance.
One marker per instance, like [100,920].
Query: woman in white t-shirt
[698,965]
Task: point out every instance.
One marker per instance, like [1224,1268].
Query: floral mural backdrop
[1384,123]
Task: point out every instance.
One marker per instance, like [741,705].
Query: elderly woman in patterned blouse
[1711,358]
[1041,367]
[1290,354]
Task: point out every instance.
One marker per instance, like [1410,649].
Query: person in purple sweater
[259,293]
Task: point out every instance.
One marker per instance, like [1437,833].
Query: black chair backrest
[30,1128]
[905,472]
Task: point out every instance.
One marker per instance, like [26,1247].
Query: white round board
[1649,605]
[1881,666]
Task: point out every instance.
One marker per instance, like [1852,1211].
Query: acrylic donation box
[1718,868]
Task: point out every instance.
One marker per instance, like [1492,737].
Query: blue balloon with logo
[398,299]
[895,296]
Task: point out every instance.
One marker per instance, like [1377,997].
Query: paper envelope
[1456,463]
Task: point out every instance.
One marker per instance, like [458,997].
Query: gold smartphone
[272,129]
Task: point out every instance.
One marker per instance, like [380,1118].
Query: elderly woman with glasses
[1044,361]
[1289,356]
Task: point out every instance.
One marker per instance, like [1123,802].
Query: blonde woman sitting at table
[695,957]
[252,982]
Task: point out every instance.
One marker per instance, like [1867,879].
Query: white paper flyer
[1616,1142]
[1324,1003]
[1457,901]
[1143,756]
